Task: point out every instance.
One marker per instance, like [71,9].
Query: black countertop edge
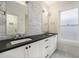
[14,39]
[24,43]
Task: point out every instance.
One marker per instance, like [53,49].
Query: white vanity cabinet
[40,49]
[48,46]
[14,53]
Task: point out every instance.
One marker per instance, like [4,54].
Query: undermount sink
[49,34]
[20,41]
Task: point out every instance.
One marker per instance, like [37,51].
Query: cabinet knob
[26,47]
[29,46]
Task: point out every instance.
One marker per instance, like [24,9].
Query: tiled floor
[61,54]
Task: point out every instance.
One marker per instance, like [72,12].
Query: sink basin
[49,34]
[20,41]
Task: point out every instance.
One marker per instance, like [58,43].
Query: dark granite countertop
[34,39]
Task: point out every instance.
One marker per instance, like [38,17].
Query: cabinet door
[42,48]
[55,41]
[52,44]
[26,52]
[32,50]
[14,53]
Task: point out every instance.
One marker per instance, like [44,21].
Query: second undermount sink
[20,41]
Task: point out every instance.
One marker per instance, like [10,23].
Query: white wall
[53,18]
[34,18]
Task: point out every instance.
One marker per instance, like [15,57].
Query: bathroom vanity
[37,46]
